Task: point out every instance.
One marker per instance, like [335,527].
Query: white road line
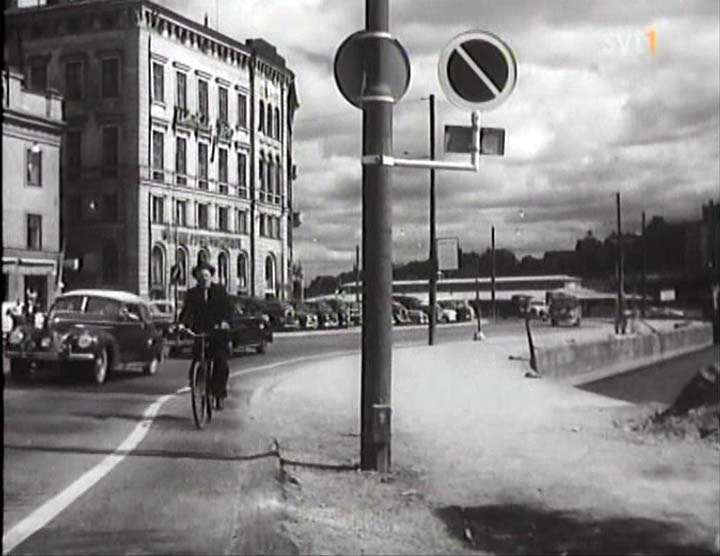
[53,507]
[478,70]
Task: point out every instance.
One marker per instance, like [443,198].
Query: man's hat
[203,265]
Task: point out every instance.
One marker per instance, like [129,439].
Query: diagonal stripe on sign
[478,70]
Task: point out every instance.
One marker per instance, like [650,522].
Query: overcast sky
[594,112]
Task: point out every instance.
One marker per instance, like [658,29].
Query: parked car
[400,314]
[97,330]
[538,309]
[307,318]
[280,313]
[441,314]
[327,318]
[565,309]
[342,310]
[355,312]
[408,301]
[463,310]
[665,313]
[162,313]
[418,316]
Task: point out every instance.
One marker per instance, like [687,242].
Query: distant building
[32,130]
[178,146]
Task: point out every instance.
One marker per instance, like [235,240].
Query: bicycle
[201,373]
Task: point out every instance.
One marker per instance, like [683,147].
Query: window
[109,151]
[157,276]
[223,166]
[278,181]
[73,81]
[203,99]
[158,209]
[158,161]
[181,93]
[261,118]
[110,207]
[222,266]
[222,104]
[262,178]
[241,271]
[38,75]
[270,274]
[110,69]
[241,222]
[158,78]
[242,110]
[34,232]
[277,124]
[181,262]
[262,225]
[110,261]
[202,216]
[269,122]
[202,256]
[181,213]
[180,160]
[202,165]
[242,174]
[34,167]
[74,152]
[222,218]
[270,181]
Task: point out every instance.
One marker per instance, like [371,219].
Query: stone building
[32,130]
[178,145]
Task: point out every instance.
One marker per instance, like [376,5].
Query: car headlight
[16,336]
[262,326]
[85,340]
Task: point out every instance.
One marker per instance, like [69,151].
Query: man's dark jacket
[200,315]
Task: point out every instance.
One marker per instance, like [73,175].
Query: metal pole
[377,252]
[620,277]
[643,281]
[492,273]
[432,301]
[357,275]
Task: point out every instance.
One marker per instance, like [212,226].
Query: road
[171,488]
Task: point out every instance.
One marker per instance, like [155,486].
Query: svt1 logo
[631,42]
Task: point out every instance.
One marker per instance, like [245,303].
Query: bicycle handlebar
[199,335]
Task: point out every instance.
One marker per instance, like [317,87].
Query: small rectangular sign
[458,139]
[667,295]
[447,253]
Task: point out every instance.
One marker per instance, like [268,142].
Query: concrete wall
[621,353]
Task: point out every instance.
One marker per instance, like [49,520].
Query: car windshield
[160,308]
[101,306]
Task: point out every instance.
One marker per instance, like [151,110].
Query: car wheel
[262,346]
[152,367]
[19,370]
[100,366]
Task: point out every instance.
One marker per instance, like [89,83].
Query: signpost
[372,72]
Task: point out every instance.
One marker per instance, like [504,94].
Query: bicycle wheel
[209,391]
[198,393]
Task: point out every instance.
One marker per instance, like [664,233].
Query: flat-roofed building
[178,146]
[32,129]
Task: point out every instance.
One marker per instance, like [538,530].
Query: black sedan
[96,330]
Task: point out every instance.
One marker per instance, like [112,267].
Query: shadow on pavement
[517,529]
[143,453]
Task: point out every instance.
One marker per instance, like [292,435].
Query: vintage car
[565,309]
[342,310]
[162,313]
[307,318]
[418,316]
[442,314]
[327,318]
[538,309]
[400,314]
[281,314]
[463,310]
[97,330]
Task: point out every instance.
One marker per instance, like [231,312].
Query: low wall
[621,353]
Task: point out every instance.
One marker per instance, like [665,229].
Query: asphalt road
[86,469]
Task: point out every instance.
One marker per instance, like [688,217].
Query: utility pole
[377,249]
[357,275]
[643,283]
[492,272]
[619,328]
[432,286]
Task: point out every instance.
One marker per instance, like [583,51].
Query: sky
[595,112]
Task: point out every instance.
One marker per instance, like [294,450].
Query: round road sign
[477,71]
[356,70]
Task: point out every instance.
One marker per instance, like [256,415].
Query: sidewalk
[484,460]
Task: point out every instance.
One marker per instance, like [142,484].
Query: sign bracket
[426,163]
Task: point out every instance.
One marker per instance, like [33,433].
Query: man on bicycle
[205,309]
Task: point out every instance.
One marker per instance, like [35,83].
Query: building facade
[32,130]
[178,145]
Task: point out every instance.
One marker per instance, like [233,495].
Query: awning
[29,265]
